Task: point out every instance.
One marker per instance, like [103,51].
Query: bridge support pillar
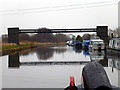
[102,32]
[13,61]
[13,35]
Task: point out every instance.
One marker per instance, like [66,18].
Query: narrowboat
[70,43]
[114,46]
[96,44]
[67,42]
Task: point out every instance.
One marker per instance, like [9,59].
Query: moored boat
[114,46]
[70,43]
[96,44]
[67,42]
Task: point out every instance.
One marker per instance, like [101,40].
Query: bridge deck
[57,30]
[54,63]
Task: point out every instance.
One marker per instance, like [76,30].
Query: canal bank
[10,48]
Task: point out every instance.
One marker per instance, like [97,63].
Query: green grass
[13,47]
[4,48]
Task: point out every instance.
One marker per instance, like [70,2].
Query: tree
[115,32]
[86,37]
[5,38]
[61,37]
[79,38]
[118,32]
[24,37]
[110,33]
[43,37]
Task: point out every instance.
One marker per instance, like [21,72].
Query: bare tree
[24,37]
[5,38]
[86,37]
[115,32]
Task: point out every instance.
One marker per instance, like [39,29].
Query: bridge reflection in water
[14,62]
[47,53]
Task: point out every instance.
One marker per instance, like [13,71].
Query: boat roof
[96,40]
[86,40]
[115,39]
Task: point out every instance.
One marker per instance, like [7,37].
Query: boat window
[115,43]
[101,42]
[91,43]
[110,43]
[119,43]
[97,42]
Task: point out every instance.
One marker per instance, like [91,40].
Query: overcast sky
[58,13]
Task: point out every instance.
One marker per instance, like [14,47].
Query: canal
[51,67]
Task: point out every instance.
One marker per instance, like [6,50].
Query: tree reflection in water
[47,52]
[44,53]
[26,52]
[77,49]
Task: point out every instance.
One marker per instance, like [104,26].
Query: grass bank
[7,48]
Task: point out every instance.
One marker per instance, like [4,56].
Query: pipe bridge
[13,33]
[45,30]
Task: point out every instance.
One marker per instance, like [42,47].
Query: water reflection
[44,53]
[61,50]
[104,61]
[114,61]
[13,61]
[47,53]
[96,55]
[77,49]
[54,54]
[26,52]
[86,52]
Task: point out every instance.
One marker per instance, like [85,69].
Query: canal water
[45,67]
